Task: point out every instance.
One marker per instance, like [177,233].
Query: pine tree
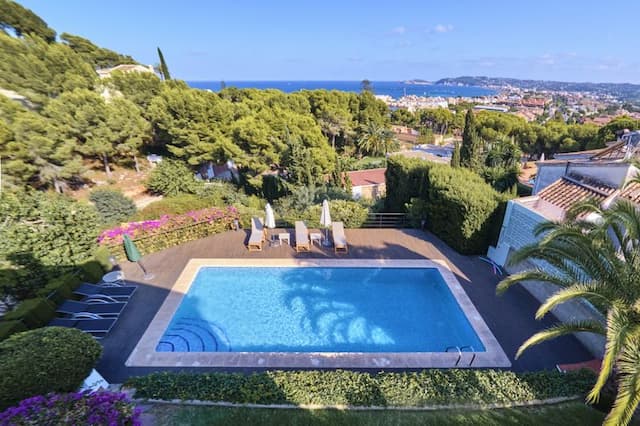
[164,69]
[471,149]
[455,157]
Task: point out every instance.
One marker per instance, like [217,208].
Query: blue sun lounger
[119,293]
[96,326]
[104,309]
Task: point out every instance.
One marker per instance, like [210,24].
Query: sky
[566,40]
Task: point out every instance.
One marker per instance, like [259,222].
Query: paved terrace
[510,317]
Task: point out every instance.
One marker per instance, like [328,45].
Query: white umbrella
[269,217]
[325,220]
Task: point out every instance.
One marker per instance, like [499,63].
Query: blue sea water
[395,89]
[318,310]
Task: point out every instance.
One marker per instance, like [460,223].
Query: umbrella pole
[147,275]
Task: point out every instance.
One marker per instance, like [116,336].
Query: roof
[367,177]
[631,192]
[566,191]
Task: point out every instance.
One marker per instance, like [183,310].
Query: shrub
[112,206]
[406,178]
[172,177]
[168,231]
[49,359]
[414,389]
[352,213]
[33,313]
[173,205]
[61,288]
[83,408]
[460,209]
[91,271]
[7,328]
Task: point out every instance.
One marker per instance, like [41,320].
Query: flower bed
[81,408]
[169,230]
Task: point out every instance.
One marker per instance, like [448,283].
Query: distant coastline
[394,89]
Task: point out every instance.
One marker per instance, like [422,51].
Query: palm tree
[375,138]
[598,261]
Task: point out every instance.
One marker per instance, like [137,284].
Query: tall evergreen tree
[455,157]
[164,69]
[471,149]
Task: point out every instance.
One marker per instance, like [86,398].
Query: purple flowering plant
[79,408]
[166,223]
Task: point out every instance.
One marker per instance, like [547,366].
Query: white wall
[517,231]
[613,174]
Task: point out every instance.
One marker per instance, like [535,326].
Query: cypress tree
[471,148]
[164,69]
[455,157]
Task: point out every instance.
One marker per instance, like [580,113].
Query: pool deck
[509,317]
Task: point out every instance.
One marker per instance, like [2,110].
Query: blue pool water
[318,310]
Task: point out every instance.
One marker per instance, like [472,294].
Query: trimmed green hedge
[456,204]
[406,178]
[33,313]
[49,359]
[415,389]
[462,209]
[59,289]
[7,328]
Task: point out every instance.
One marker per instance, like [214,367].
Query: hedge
[351,213]
[49,359]
[456,204]
[7,328]
[462,209]
[33,313]
[410,389]
[61,288]
[168,231]
[406,178]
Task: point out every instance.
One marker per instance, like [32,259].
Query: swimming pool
[318,309]
[317,313]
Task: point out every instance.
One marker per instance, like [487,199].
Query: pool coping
[145,355]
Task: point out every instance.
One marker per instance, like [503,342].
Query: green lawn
[562,415]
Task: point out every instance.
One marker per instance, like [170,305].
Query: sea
[395,89]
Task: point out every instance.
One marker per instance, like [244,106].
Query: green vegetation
[597,261]
[172,178]
[50,359]
[454,203]
[43,236]
[552,415]
[98,57]
[164,68]
[428,387]
[112,206]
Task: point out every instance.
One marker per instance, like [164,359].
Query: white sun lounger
[257,236]
[339,239]
[302,237]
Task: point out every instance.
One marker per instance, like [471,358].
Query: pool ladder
[459,349]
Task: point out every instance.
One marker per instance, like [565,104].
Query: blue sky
[380,40]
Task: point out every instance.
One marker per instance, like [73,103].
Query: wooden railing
[386,220]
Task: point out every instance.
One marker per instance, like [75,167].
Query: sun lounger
[119,293]
[97,327]
[339,239]
[103,309]
[302,237]
[257,236]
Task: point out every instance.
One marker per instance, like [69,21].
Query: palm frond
[587,291]
[618,329]
[561,330]
[628,396]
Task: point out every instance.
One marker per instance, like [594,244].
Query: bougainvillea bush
[170,230]
[80,408]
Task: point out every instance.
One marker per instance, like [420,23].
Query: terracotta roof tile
[367,177]
[631,192]
[564,193]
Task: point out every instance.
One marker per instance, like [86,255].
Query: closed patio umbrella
[133,255]
[325,221]
[269,217]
